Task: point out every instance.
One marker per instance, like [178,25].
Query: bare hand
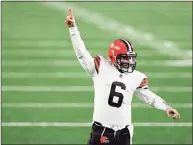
[172,113]
[70,21]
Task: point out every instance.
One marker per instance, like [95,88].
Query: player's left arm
[147,96]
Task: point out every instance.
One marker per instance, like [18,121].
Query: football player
[115,82]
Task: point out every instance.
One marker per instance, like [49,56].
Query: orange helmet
[121,54]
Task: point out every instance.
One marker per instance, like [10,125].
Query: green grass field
[39,66]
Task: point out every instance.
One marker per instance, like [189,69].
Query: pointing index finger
[71,13]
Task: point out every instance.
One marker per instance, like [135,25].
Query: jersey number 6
[116,94]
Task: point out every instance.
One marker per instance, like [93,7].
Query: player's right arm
[84,57]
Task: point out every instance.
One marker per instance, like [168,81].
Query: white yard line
[73,63]
[75,75]
[39,42]
[88,124]
[63,52]
[21,75]
[180,63]
[83,89]
[39,52]
[107,24]
[44,44]
[81,105]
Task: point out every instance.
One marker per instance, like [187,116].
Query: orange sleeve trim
[143,83]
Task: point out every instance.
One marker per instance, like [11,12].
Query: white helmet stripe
[128,45]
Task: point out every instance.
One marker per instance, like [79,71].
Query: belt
[114,127]
[105,129]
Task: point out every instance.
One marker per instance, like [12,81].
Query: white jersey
[113,90]
[113,93]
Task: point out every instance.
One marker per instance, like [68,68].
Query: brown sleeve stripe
[97,60]
[143,83]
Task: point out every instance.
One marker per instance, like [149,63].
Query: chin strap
[122,71]
[118,68]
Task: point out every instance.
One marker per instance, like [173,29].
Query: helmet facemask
[126,63]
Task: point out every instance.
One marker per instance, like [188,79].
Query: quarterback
[115,81]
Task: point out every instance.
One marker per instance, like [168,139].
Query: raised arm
[82,53]
[147,96]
